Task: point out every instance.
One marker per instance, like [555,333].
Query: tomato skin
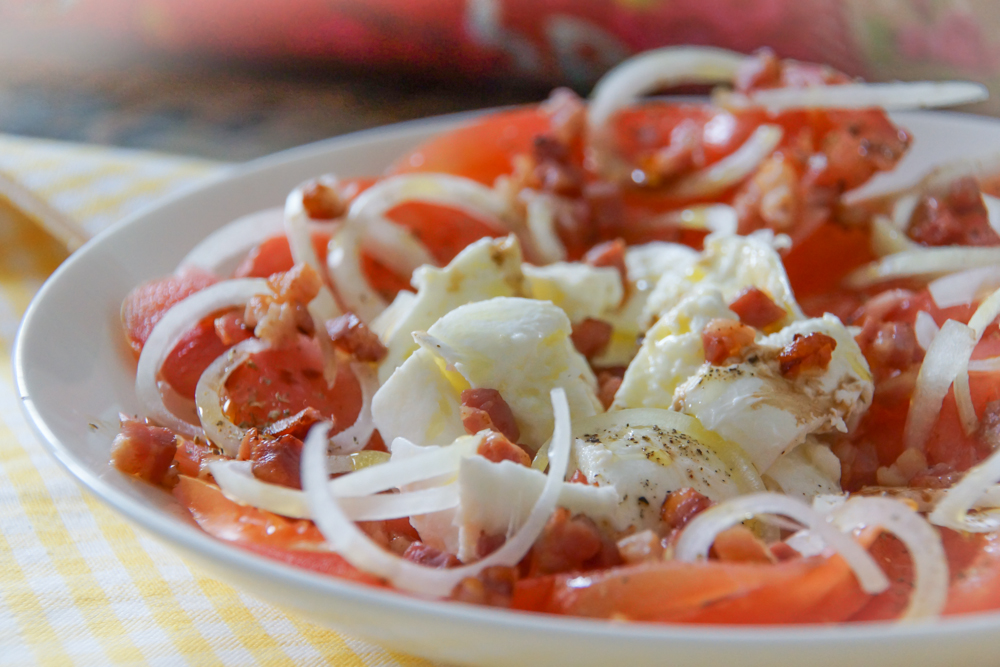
[195,352]
[836,248]
[481,150]
[147,303]
[263,533]
[288,380]
[275,256]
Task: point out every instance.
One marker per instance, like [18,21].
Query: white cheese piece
[807,471]
[581,290]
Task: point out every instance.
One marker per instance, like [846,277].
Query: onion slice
[541,222]
[237,481]
[964,287]
[359,550]
[208,395]
[894,96]
[930,564]
[922,263]
[344,263]
[356,436]
[988,365]
[952,511]
[987,311]
[221,251]
[732,169]
[174,324]
[699,535]
[925,329]
[954,342]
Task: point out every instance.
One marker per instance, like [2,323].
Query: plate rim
[192,539]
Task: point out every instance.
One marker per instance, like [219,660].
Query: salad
[626,358]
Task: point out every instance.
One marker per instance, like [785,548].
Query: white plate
[75,374]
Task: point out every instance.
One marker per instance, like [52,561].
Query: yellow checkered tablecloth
[78,586]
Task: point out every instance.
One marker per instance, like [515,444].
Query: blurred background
[236,79]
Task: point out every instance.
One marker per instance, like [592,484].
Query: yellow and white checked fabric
[78,586]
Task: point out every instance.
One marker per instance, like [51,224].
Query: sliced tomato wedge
[146,304]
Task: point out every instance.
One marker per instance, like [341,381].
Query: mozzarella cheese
[581,290]
[729,264]
[485,269]
[645,454]
[807,471]
[767,414]
[520,347]
[671,351]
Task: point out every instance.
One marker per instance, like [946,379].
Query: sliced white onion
[344,263]
[922,263]
[930,565]
[656,70]
[699,535]
[989,365]
[430,463]
[925,329]
[359,550]
[894,96]
[992,211]
[730,170]
[208,395]
[887,239]
[952,511]
[174,324]
[541,223]
[987,311]
[939,178]
[394,246]
[356,436]
[953,342]
[964,287]
[221,251]
[485,203]
[237,481]
[718,218]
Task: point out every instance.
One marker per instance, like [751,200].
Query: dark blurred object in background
[451,43]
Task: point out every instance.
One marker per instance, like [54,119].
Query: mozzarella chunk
[729,264]
[807,471]
[645,454]
[420,402]
[496,498]
[487,268]
[671,352]
[521,348]
[644,265]
[752,404]
[581,290]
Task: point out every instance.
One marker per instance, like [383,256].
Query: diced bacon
[608,382]
[487,544]
[421,553]
[497,412]
[396,535]
[231,329]
[297,425]
[756,308]
[145,451]
[554,172]
[609,253]
[641,547]
[724,339]
[739,545]
[591,336]
[810,352]
[300,284]
[280,318]
[889,347]
[568,115]
[572,544]
[353,336]
[274,460]
[578,478]
[493,587]
[681,506]
[496,447]
[958,217]
[191,457]
[763,70]
[322,202]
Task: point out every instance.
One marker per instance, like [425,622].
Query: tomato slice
[191,356]
[481,150]
[278,383]
[288,541]
[146,304]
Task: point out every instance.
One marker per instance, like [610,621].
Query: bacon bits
[958,217]
[612,254]
[724,339]
[297,425]
[322,202]
[485,408]
[756,308]
[274,460]
[572,544]
[810,352]
[421,553]
[681,506]
[608,382]
[353,336]
[145,451]
[591,336]
[496,448]
[278,319]
[493,587]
